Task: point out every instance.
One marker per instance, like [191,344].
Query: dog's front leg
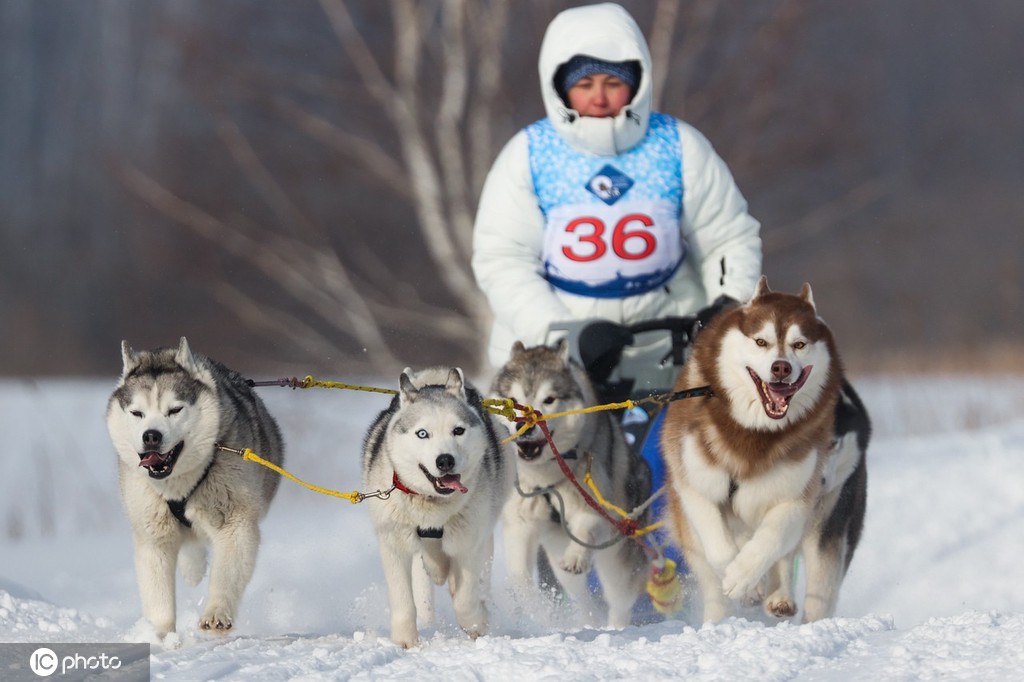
[235,546]
[779,588]
[435,561]
[776,536]
[397,563]
[466,584]
[825,564]
[585,528]
[155,561]
[708,523]
[521,541]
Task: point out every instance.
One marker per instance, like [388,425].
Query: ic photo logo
[43,662]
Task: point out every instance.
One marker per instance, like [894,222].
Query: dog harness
[177,507]
[556,517]
[612,223]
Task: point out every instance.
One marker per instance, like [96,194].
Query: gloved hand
[705,314]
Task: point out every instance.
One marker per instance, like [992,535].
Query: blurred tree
[324,159]
[418,108]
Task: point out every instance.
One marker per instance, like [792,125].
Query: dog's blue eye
[458,431]
[422,433]
[136,413]
[173,411]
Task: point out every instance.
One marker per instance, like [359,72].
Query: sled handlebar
[669,324]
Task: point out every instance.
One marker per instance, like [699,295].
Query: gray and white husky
[170,410]
[439,447]
[545,378]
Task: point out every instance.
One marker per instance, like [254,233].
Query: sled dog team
[768,468]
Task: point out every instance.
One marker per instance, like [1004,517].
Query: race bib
[611,223]
[603,251]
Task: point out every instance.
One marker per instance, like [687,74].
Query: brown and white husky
[772,464]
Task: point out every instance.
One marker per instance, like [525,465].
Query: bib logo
[609,184]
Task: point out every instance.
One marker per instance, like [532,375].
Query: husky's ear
[456,384]
[807,295]
[517,349]
[187,361]
[129,359]
[562,348]
[762,287]
[406,389]
[183,356]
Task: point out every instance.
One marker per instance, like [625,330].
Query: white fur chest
[784,481]
[710,480]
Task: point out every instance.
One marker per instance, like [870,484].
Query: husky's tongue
[153,459]
[777,399]
[452,482]
[775,396]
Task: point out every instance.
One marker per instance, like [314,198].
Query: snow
[934,591]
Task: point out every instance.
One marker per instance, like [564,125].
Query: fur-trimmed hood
[608,32]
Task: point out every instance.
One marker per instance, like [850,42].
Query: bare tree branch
[450,114]
[401,103]
[489,27]
[322,260]
[258,316]
[370,155]
[256,172]
[367,68]
[280,259]
[662,33]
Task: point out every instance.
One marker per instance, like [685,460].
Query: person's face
[600,95]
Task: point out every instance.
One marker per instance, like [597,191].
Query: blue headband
[582,66]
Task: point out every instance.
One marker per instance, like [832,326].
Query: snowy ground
[935,589]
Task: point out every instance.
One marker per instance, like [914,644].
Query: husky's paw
[217,620]
[405,636]
[475,631]
[780,606]
[742,583]
[145,632]
[576,560]
[473,621]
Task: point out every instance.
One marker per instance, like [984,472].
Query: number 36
[630,229]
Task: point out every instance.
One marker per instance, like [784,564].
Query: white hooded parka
[722,239]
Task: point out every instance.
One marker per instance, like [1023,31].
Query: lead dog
[545,378]
[438,447]
[771,464]
[171,406]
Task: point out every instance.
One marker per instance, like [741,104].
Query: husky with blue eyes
[169,412]
[439,451]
